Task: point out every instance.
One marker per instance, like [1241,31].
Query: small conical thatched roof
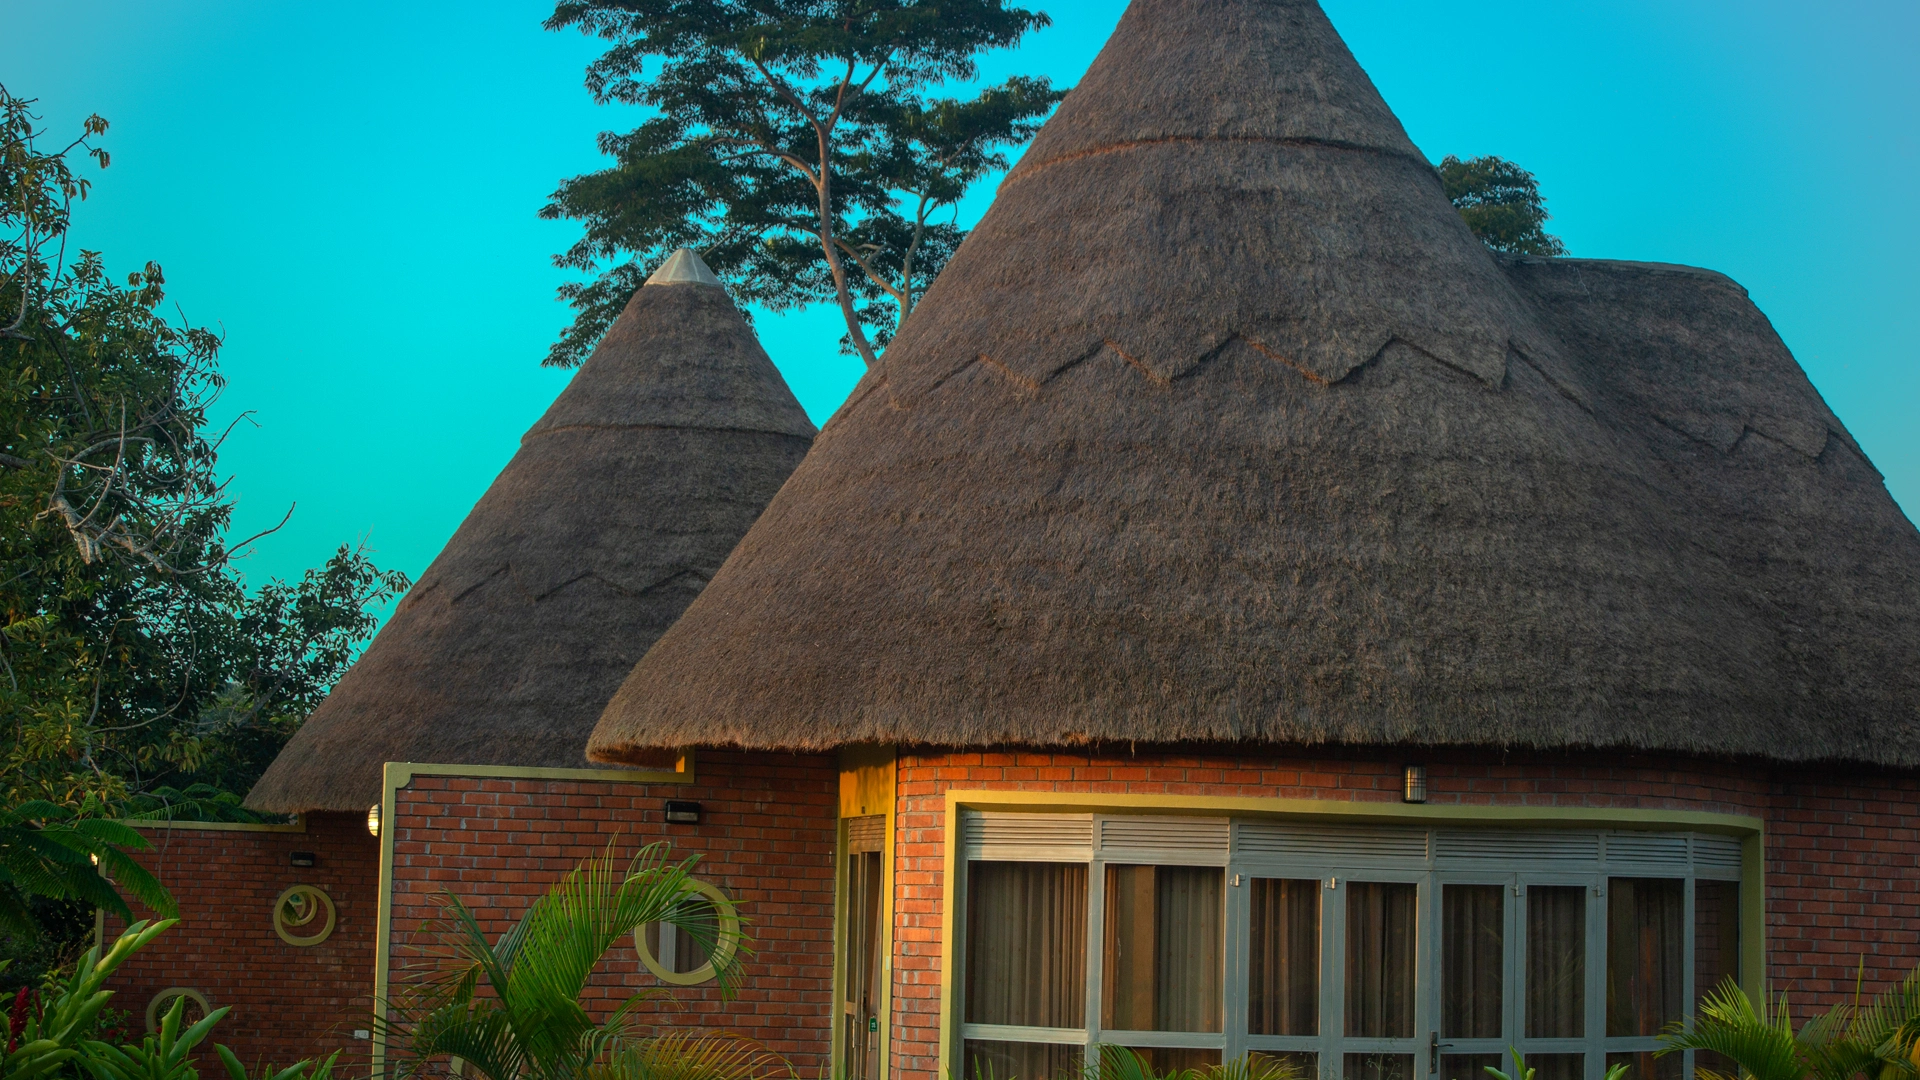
[621,503]
[1221,427]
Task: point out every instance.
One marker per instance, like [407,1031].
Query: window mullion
[1333,974]
[1096,956]
[1596,1063]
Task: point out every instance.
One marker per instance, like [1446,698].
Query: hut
[622,501]
[1252,617]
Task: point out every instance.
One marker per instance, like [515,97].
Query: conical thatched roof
[1222,427]
[620,505]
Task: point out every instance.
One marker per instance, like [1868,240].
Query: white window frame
[1078,838]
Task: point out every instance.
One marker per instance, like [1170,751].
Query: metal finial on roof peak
[683,267]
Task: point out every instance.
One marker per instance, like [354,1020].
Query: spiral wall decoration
[162,1001]
[303,916]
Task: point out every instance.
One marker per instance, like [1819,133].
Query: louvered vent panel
[1717,852]
[1657,849]
[1065,837]
[1164,837]
[1550,846]
[867,833]
[1331,843]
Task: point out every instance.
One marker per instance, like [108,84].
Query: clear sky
[349,189]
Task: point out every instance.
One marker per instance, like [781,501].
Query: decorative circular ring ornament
[729,938]
[303,908]
[163,1001]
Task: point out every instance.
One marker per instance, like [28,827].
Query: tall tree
[137,671]
[1501,203]
[786,135]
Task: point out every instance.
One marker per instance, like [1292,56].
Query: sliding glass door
[1414,955]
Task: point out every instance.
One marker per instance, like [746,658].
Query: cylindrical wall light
[1416,783]
[373,819]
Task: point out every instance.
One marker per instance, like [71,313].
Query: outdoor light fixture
[682,813]
[302,858]
[373,819]
[1416,783]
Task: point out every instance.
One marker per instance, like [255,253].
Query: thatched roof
[621,503]
[1221,427]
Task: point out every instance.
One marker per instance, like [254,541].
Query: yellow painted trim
[728,935]
[297,825]
[158,1005]
[286,933]
[867,780]
[395,775]
[1751,829]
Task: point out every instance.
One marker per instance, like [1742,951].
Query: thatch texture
[621,503]
[1222,427]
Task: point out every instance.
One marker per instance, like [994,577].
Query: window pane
[675,948]
[1165,956]
[1716,935]
[1644,942]
[1380,952]
[1172,1059]
[1305,1065]
[1283,965]
[1556,962]
[1468,1066]
[1647,1067]
[1378,1066]
[1022,1061]
[1559,1066]
[1472,930]
[1027,944]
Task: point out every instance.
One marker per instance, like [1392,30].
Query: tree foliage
[794,144]
[1501,203]
[138,672]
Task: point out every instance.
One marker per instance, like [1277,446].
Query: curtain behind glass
[1023,1061]
[1381,929]
[1644,954]
[1026,944]
[1716,935]
[1283,962]
[1472,931]
[1556,961]
[1164,956]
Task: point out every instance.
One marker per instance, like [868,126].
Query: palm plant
[1521,1071]
[1876,1039]
[1121,1063]
[529,1023]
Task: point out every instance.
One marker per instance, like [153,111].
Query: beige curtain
[1023,1061]
[1283,961]
[1164,960]
[1644,943]
[1716,935]
[1381,925]
[1472,932]
[1026,944]
[1556,961]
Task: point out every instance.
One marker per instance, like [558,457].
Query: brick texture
[288,1002]
[766,838]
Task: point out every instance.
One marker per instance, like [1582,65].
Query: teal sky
[349,190]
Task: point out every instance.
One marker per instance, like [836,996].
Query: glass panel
[1305,1065]
[1165,953]
[1556,961]
[1283,965]
[1380,957]
[1469,1066]
[1027,945]
[1644,943]
[1472,928]
[1377,1066]
[1169,1059]
[1716,935]
[675,948]
[1558,1066]
[1022,1061]
[1644,1066]
[861,974]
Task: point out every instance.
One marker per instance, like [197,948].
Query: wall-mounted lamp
[302,858]
[682,813]
[373,819]
[1416,783]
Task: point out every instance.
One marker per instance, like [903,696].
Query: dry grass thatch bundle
[1221,427]
[620,505]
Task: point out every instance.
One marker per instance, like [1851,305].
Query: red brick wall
[767,838]
[288,1002]
[1843,860]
